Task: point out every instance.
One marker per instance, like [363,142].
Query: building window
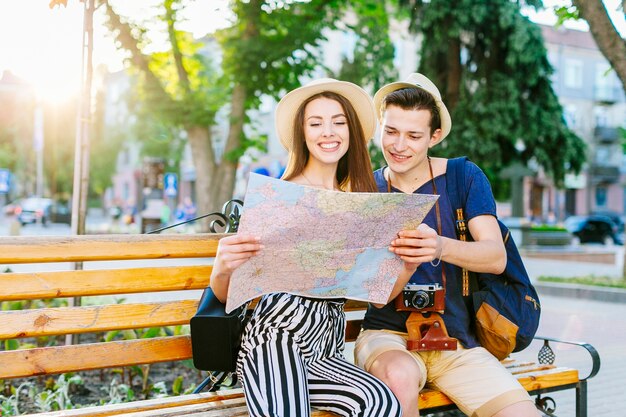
[571,116]
[601,196]
[600,116]
[573,73]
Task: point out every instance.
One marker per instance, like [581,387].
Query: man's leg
[479,384]
[522,408]
[339,386]
[384,355]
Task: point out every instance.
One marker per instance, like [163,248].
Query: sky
[44,46]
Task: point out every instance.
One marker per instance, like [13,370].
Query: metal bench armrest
[595,357]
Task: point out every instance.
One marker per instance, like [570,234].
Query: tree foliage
[267,48]
[492,69]
[372,59]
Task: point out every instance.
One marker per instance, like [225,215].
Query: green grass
[588,280]
[547,228]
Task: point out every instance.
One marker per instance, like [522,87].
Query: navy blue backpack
[506,306]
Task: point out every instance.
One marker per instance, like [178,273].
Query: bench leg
[581,399]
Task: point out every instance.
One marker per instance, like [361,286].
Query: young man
[413,120]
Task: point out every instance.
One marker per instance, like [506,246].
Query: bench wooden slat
[29,249]
[530,368]
[549,378]
[85,357]
[354,305]
[145,405]
[55,321]
[229,407]
[36,285]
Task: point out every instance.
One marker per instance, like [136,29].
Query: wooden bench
[100,278]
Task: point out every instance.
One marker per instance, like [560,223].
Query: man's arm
[485,254]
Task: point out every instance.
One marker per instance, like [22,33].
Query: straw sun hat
[289,104]
[420,81]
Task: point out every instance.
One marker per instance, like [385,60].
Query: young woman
[291,356]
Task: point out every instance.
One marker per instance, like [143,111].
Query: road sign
[5,181]
[170,184]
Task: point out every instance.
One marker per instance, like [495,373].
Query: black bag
[215,335]
[506,306]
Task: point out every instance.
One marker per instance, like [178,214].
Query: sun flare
[45,50]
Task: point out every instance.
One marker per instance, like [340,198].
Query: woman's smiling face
[326,130]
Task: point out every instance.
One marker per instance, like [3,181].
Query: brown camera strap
[461,227]
[438,215]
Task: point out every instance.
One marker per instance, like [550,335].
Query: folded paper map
[320,243]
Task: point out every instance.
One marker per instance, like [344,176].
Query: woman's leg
[339,386]
[274,378]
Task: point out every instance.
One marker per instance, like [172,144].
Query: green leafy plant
[547,228]
[119,393]
[59,397]
[9,406]
[599,281]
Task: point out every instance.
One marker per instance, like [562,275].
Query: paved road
[601,324]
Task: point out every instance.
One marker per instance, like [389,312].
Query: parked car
[593,229]
[60,213]
[614,216]
[34,210]
[9,209]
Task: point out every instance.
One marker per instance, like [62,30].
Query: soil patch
[104,386]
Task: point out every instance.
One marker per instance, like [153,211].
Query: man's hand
[417,246]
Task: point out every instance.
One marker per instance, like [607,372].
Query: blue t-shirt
[480,201]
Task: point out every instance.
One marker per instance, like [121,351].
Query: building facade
[594,108]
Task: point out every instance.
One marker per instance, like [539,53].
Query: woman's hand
[232,252]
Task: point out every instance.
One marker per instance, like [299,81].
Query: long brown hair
[354,170]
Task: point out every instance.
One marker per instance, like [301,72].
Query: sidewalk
[566,268]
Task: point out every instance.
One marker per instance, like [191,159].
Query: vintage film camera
[426,328]
[415,297]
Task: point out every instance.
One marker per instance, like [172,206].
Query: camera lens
[420,299]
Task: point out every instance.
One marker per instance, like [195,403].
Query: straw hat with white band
[289,104]
[416,80]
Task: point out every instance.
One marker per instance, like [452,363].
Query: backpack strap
[455,184]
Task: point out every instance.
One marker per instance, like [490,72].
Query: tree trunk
[453,81]
[204,162]
[611,44]
[215,180]
[224,188]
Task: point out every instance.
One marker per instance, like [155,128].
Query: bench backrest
[20,323]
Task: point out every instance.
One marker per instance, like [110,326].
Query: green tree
[371,64]
[269,45]
[491,66]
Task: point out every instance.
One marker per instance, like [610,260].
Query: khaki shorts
[473,378]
